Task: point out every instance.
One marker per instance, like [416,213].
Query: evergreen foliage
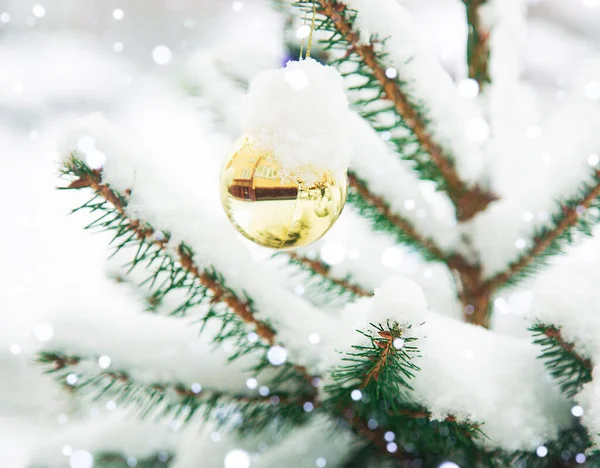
[175,401]
[571,370]
[116,460]
[563,452]
[375,383]
[371,393]
[119,460]
[574,218]
[168,275]
[369,92]
[383,220]
[321,286]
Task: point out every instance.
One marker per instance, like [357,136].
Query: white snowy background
[154,68]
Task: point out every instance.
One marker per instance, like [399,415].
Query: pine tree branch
[478,46]
[390,353]
[323,271]
[385,343]
[374,386]
[176,400]
[379,371]
[468,200]
[182,402]
[384,219]
[382,369]
[555,335]
[118,460]
[210,281]
[569,368]
[93,180]
[549,240]
[142,234]
[473,295]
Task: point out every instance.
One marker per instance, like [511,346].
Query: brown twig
[322,269]
[542,243]
[476,293]
[401,223]
[478,47]
[386,344]
[472,292]
[241,308]
[60,361]
[468,200]
[555,334]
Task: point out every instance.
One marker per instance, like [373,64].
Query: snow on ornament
[286,184]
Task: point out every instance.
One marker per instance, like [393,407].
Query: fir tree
[331,363]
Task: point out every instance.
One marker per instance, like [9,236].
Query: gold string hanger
[310,35]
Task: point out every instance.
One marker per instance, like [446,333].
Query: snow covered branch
[384,219]
[202,286]
[449,351]
[383,83]
[374,381]
[175,270]
[574,216]
[159,460]
[478,47]
[173,400]
[321,270]
[571,369]
[381,369]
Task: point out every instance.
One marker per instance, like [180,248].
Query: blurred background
[143,64]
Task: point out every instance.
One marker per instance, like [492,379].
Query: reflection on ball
[277,208]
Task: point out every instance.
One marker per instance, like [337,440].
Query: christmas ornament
[275,207]
[285,184]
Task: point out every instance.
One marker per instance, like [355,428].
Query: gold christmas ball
[279,208]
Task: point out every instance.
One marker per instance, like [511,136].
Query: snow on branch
[501,26]
[326,281]
[377,210]
[353,252]
[571,370]
[561,304]
[373,380]
[175,401]
[577,214]
[394,198]
[589,415]
[160,247]
[175,269]
[176,192]
[377,51]
[464,368]
[110,438]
